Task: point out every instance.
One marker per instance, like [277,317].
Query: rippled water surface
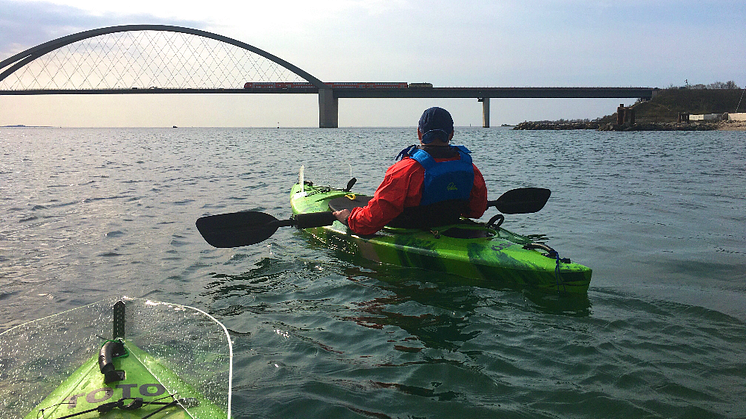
[660,217]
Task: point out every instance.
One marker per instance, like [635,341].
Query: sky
[556,43]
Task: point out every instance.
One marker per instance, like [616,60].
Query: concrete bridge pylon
[328,109]
[485,111]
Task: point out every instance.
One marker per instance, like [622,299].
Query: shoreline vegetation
[668,110]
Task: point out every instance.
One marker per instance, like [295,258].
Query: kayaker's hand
[342,215]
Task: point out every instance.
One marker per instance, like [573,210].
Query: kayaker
[433,184]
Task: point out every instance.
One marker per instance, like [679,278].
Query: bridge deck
[434,92]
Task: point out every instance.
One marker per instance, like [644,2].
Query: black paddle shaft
[313,219]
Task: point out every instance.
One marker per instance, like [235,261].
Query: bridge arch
[12,64]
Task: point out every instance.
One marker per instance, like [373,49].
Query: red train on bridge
[335,85]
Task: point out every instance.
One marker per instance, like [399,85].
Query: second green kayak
[486,254]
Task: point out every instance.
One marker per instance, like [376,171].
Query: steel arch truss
[133,58]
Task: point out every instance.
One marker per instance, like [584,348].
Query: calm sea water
[660,217]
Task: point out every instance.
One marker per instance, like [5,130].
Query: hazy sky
[448,43]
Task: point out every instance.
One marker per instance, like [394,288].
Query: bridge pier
[485,111]
[328,109]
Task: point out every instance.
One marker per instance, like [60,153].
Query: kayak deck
[493,257]
[143,392]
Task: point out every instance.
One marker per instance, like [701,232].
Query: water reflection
[437,331]
[455,289]
[436,310]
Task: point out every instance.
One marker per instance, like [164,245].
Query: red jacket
[402,188]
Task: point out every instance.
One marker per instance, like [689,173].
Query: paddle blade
[522,200]
[237,228]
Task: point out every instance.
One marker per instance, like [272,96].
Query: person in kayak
[433,184]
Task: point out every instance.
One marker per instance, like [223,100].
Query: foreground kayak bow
[173,362]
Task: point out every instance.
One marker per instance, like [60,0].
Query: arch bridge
[164,59]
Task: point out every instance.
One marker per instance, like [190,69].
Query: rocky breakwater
[557,125]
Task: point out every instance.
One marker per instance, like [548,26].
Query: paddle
[250,227]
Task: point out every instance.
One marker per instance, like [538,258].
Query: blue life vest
[447,180]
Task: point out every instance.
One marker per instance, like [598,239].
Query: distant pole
[739,100]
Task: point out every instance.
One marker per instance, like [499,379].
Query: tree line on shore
[717,85]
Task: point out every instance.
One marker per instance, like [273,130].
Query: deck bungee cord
[122,404]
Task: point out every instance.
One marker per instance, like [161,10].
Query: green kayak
[483,252]
[173,362]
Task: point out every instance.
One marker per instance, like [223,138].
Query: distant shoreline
[644,126]
[664,111]
[26,126]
